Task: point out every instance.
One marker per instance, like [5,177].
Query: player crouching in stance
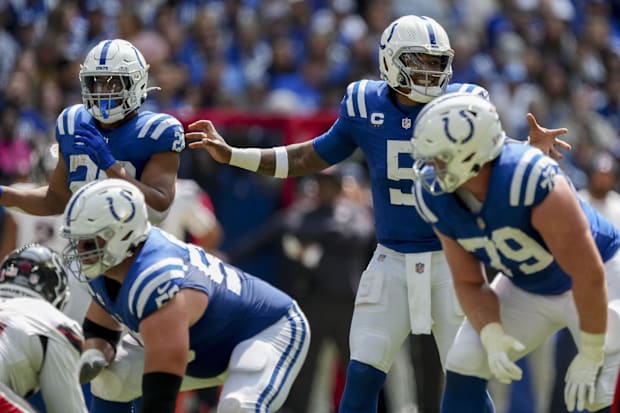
[40,346]
[199,321]
[511,207]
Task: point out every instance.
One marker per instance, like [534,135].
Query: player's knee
[231,405]
[467,360]
[373,348]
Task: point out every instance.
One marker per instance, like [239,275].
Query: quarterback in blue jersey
[406,287]
[511,207]
[199,322]
[107,136]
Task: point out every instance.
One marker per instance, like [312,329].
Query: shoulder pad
[69,118]
[354,103]
[532,178]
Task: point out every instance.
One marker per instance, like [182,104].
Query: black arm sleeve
[159,392]
[94,330]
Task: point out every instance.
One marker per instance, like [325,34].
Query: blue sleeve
[336,144]
[69,119]
[533,179]
[164,131]
[153,289]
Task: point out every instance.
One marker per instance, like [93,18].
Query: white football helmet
[453,137]
[401,61]
[104,221]
[119,65]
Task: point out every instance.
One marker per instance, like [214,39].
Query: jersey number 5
[396,152]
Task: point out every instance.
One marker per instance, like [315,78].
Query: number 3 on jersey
[396,150]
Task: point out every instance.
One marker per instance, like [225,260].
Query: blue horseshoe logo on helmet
[466,114]
[115,214]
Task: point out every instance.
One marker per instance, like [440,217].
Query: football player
[512,208]
[406,287]
[40,347]
[108,137]
[197,320]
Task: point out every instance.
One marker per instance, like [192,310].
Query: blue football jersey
[501,234]
[240,305]
[132,143]
[372,120]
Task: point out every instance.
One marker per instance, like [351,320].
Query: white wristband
[592,345]
[245,158]
[281,162]
[491,333]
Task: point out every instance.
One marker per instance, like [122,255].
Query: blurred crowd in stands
[559,59]
[258,67]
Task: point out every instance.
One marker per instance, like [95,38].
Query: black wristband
[94,330]
[159,392]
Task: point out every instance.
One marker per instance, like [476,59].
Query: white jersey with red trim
[39,350]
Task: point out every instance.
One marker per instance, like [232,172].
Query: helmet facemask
[422,76]
[86,257]
[444,173]
[108,97]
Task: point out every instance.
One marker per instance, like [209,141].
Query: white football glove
[498,344]
[581,375]
[92,361]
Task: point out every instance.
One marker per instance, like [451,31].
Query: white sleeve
[58,379]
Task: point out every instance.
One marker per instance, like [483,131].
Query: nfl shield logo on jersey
[406,123]
[419,267]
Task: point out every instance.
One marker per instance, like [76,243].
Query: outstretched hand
[547,139]
[202,134]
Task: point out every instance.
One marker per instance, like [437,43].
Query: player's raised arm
[282,161]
